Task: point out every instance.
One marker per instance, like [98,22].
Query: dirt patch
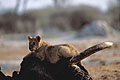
[104,65]
[13,54]
[105,72]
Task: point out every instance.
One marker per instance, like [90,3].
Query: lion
[51,53]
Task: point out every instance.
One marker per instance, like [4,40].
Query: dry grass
[13,54]
[105,72]
[98,72]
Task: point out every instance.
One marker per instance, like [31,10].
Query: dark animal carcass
[33,69]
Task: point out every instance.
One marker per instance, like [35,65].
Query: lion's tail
[90,51]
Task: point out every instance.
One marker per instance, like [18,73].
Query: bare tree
[25,2]
[17,6]
[20,3]
[60,3]
[0,3]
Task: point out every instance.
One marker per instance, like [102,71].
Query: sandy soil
[101,66]
[13,54]
[105,72]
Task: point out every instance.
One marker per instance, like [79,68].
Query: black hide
[33,69]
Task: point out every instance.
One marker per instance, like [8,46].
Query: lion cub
[51,53]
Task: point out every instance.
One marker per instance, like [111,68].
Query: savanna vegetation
[61,17]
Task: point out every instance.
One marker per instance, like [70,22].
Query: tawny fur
[52,53]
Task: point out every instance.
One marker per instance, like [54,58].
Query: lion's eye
[33,43]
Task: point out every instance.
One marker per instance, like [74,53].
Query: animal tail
[90,51]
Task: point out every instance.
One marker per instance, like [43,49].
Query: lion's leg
[52,56]
[65,51]
[54,59]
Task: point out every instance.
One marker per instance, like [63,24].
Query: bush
[75,19]
[14,23]
[69,18]
[115,17]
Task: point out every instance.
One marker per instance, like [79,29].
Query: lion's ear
[29,37]
[38,38]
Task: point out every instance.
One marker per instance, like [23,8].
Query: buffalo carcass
[32,68]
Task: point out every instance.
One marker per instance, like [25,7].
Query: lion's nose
[30,48]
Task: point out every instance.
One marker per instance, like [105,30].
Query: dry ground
[99,71]
[13,54]
[105,72]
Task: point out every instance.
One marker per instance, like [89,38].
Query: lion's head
[34,42]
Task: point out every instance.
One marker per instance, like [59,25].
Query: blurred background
[82,23]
